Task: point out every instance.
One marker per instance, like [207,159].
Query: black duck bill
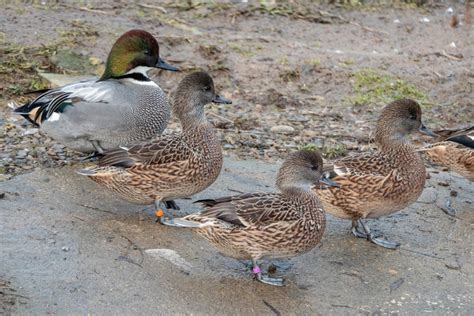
[326,181]
[164,65]
[220,99]
[425,130]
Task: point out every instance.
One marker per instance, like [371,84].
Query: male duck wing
[44,107]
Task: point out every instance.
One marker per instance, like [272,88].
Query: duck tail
[464,140]
[206,202]
[179,222]
[87,172]
[30,112]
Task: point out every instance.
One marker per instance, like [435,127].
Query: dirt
[299,75]
[322,72]
[70,247]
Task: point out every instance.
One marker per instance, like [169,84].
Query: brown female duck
[383,182]
[267,225]
[172,166]
[455,152]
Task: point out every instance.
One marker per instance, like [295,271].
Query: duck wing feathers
[374,164]
[164,150]
[250,209]
[57,100]
[463,136]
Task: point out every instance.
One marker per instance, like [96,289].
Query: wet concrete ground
[70,247]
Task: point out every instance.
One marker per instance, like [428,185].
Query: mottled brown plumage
[172,166]
[383,182]
[455,152]
[267,225]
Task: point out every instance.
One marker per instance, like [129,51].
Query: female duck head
[135,48]
[301,170]
[193,93]
[398,119]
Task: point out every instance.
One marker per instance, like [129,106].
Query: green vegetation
[372,88]
[236,47]
[329,151]
[20,65]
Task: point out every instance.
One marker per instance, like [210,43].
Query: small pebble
[282,129]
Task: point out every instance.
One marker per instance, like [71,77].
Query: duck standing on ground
[267,225]
[122,107]
[174,165]
[383,182]
[455,152]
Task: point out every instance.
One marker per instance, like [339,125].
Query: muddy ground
[299,75]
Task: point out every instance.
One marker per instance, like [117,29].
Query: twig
[366,28]
[421,253]
[324,13]
[127,259]
[78,218]
[95,11]
[137,247]
[234,190]
[95,208]
[150,6]
[449,56]
[273,309]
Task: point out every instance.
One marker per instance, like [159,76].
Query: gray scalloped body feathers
[122,107]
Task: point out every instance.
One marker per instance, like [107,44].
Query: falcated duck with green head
[122,107]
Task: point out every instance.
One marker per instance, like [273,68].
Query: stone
[282,129]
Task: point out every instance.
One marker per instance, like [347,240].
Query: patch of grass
[329,151]
[290,74]
[375,4]
[19,65]
[19,68]
[313,62]
[236,47]
[347,62]
[374,88]
[78,33]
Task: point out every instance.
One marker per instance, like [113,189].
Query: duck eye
[148,52]
[208,88]
[314,167]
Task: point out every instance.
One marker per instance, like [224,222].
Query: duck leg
[97,146]
[367,234]
[161,214]
[265,278]
[171,204]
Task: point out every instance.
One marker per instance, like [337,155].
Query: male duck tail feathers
[463,136]
[44,106]
[29,112]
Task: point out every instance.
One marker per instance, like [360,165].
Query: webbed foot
[265,278]
[361,230]
[161,214]
[271,281]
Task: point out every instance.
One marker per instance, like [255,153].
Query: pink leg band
[256,270]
